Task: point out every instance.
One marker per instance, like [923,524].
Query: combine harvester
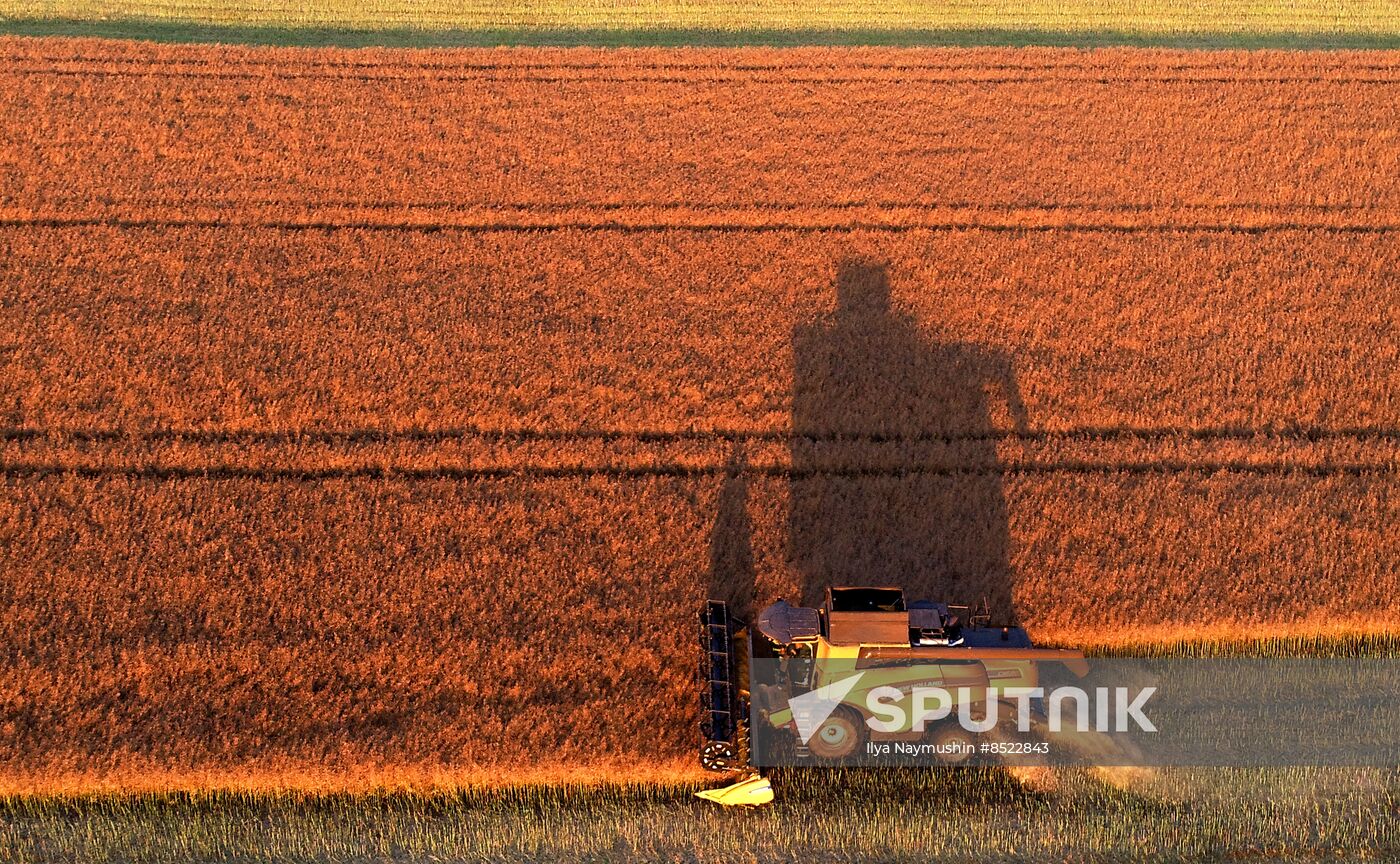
[856,628]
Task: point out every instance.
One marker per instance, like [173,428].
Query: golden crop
[386,415]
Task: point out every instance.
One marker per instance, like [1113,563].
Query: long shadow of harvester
[895,479]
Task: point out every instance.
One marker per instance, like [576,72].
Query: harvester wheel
[956,744]
[718,756]
[838,737]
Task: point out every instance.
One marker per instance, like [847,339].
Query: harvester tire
[950,734]
[839,736]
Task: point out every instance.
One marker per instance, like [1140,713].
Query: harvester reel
[718,756]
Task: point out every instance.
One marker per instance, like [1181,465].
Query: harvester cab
[856,628]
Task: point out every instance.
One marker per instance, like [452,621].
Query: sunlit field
[949,815]
[1216,23]
[375,420]
[415,454]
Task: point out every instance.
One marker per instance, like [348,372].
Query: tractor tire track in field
[643,217]
[796,66]
[1311,68]
[703,227]
[842,62]
[738,78]
[63,204]
[213,436]
[294,436]
[368,472]
[458,454]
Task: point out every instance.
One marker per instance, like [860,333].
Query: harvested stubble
[383,416]
[937,816]
[919,20]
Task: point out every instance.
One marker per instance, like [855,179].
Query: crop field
[1179,815]
[1182,23]
[382,416]
[1242,15]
